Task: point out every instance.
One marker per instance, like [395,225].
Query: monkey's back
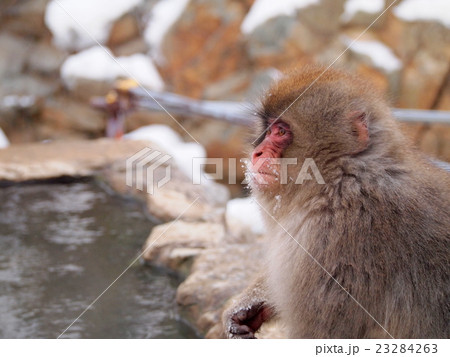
[383,237]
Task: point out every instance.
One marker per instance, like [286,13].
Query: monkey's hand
[243,322]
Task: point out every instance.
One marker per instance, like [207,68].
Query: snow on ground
[73,22]
[424,10]
[245,212]
[4,142]
[382,56]
[164,14]
[96,64]
[170,142]
[263,10]
[352,7]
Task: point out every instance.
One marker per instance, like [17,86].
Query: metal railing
[127,96]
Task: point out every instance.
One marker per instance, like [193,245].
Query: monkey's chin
[262,180]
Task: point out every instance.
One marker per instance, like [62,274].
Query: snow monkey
[362,254]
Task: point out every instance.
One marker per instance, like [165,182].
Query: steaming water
[60,247]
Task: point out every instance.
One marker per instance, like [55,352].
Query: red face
[278,137]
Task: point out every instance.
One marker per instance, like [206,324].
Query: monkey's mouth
[263,177]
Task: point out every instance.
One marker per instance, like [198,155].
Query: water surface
[61,245]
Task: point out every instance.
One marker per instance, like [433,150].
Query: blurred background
[62,244]
[51,64]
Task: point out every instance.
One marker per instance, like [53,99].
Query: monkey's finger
[246,336]
[236,329]
[246,314]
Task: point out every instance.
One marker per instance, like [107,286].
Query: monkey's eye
[281,132]
[269,131]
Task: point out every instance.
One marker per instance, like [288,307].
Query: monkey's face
[317,125]
[266,158]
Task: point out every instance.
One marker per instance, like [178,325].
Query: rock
[123,30]
[373,59]
[436,142]
[167,205]
[432,139]
[307,41]
[422,80]
[260,82]
[84,89]
[173,243]
[13,56]
[142,117]
[284,41]
[204,46]
[216,275]
[443,102]
[270,40]
[323,18]
[230,88]
[69,115]
[221,140]
[167,202]
[364,13]
[244,219]
[429,143]
[46,59]
[171,200]
[409,39]
[25,18]
[129,48]
[28,85]
[55,159]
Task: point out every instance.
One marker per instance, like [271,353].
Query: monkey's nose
[256,154]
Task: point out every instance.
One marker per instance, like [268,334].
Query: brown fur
[380,225]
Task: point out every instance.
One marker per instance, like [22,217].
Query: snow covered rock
[363,12]
[168,140]
[376,53]
[243,217]
[4,142]
[98,64]
[163,16]
[76,25]
[264,10]
[424,10]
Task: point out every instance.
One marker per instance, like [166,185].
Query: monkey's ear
[358,120]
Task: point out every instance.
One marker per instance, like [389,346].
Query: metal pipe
[238,113]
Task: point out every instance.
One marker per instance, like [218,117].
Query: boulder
[28,85]
[204,45]
[422,81]
[64,114]
[14,54]
[46,59]
[123,30]
[25,18]
[174,243]
[42,161]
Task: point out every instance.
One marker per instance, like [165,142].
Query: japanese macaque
[363,253]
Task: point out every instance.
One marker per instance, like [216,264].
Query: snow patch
[97,64]
[352,7]
[79,24]
[171,143]
[424,10]
[381,56]
[263,10]
[245,212]
[162,17]
[4,142]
